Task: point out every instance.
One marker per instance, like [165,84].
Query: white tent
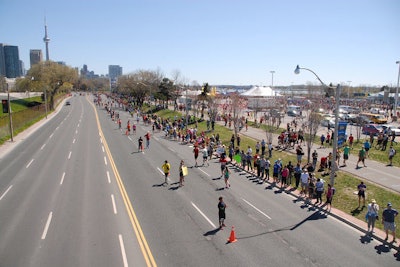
[260,91]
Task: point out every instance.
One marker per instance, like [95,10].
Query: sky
[222,42]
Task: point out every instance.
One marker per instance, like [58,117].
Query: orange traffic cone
[232,237]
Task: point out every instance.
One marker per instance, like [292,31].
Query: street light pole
[396,97]
[272,82]
[334,166]
[9,114]
[348,90]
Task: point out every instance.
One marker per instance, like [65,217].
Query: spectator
[351,139]
[392,152]
[367,146]
[299,153]
[361,157]
[388,218]
[361,193]
[319,187]
[346,152]
[329,196]
[372,213]
[314,159]
[270,148]
[322,138]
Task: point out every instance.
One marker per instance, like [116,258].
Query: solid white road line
[62,179]
[46,228]
[29,164]
[163,174]
[171,149]
[113,203]
[203,172]
[202,214]
[105,160]
[8,189]
[121,243]
[42,146]
[108,177]
[254,207]
[69,155]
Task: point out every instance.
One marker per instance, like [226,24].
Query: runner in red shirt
[196,154]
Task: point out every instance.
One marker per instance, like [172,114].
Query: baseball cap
[389,204]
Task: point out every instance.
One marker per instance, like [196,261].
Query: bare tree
[236,105]
[311,126]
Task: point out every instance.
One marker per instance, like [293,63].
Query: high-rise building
[114,71]
[11,61]
[36,56]
[2,61]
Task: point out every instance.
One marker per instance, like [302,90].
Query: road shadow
[212,232]
[159,185]
[218,178]
[357,211]
[382,248]
[174,187]
[317,215]
[366,239]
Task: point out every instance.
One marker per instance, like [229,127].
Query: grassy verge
[345,198]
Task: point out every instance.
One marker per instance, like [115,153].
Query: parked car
[391,128]
[372,128]
[293,113]
[67,103]
[326,121]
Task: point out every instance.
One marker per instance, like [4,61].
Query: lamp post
[9,113]
[272,81]
[348,90]
[396,97]
[334,167]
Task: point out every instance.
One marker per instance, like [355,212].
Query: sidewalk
[374,173]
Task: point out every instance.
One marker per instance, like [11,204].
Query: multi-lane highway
[78,193]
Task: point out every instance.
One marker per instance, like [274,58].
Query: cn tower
[46,39]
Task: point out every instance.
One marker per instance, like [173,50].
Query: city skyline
[219,42]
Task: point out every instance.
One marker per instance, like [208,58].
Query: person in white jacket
[373,211]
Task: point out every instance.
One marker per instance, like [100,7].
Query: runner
[140,144]
[221,212]
[223,162]
[166,168]
[147,135]
[227,173]
[134,129]
[196,154]
[181,176]
[205,156]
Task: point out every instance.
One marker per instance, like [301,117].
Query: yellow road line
[148,256]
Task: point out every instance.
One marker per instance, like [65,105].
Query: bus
[375,118]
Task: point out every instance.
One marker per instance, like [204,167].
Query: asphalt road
[76,194]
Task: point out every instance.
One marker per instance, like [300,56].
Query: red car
[372,128]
